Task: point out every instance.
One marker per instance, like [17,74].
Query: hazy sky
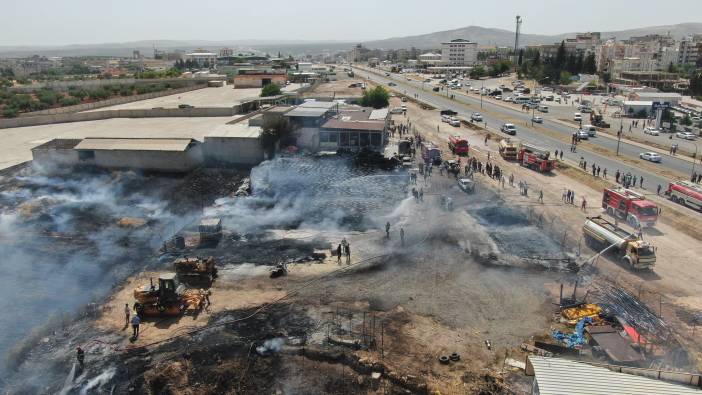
[57,22]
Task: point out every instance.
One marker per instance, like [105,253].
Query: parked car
[509,128]
[476,117]
[508,99]
[651,157]
[537,119]
[685,135]
[398,110]
[582,134]
[577,117]
[652,131]
[392,84]
[586,109]
[454,122]
[446,118]
[590,130]
[498,97]
[404,99]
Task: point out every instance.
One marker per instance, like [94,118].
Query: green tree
[687,121]
[69,101]
[477,72]
[270,90]
[565,77]
[376,98]
[9,112]
[590,64]
[560,60]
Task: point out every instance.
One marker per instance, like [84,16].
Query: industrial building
[150,154]
[673,99]
[554,376]
[259,78]
[234,145]
[355,128]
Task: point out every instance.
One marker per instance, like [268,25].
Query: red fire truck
[535,158]
[685,193]
[431,153]
[458,145]
[631,206]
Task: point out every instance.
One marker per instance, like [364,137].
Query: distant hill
[481,35]
[501,37]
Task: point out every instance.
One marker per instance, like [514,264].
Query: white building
[459,52]
[200,57]
[430,58]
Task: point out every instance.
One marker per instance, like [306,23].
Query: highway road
[465,105]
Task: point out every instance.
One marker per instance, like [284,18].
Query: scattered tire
[455,356]
[444,360]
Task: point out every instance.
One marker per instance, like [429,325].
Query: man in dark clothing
[387,230]
[80,356]
[135,326]
[402,236]
[348,254]
[338,254]
[561,155]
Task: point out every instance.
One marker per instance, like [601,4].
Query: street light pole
[482,86]
[694,158]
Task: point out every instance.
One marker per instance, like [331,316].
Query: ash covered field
[429,294]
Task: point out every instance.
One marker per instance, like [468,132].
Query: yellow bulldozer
[168,297]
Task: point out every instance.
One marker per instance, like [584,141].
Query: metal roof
[237,130]
[557,376]
[379,115]
[318,104]
[307,112]
[658,94]
[637,103]
[134,144]
[58,144]
[377,126]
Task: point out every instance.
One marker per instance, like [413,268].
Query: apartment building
[459,52]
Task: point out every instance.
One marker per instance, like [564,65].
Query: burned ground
[68,238]
[426,298]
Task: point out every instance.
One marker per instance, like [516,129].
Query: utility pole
[518,20]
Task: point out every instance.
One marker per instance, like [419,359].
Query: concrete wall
[256,80]
[232,151]
[106,114]
[55,157]
[164,161]
[110,102]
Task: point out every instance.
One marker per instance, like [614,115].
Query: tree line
[557,69]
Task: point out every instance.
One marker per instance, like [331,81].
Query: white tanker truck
[633,251]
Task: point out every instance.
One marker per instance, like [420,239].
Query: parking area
[225,96]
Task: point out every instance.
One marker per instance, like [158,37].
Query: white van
[543,108]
